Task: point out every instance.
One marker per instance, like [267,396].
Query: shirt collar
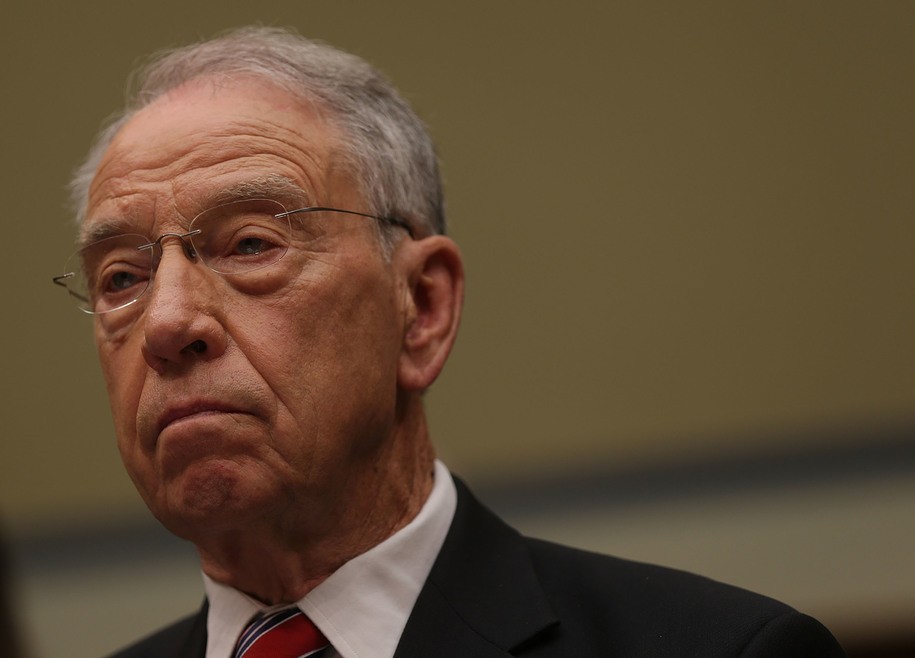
[362,607]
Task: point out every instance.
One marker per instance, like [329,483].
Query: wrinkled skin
[275,422]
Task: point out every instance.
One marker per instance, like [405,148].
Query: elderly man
[263,253]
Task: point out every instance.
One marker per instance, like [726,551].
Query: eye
[117,284]
[110,273]
[119,278]
[251,246]
[233,247]
[123,280]
[252,240]
[115,266]
[241,236]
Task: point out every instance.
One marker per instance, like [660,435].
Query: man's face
[233,398]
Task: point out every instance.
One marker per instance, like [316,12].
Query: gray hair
[385,143]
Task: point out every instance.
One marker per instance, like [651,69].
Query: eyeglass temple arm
[61,281]
[393,221]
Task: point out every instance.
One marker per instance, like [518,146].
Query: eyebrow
[102,229]
[272,186]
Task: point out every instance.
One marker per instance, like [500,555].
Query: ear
[434,296]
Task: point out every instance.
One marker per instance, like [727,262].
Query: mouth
[198,409]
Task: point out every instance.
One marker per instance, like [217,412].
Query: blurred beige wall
[682,223]
[688,227]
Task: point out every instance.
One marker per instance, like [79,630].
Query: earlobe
[435,296]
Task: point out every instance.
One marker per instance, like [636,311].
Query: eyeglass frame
[191,252]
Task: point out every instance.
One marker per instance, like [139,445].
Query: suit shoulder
[184,638]
[562,567]
[659,611]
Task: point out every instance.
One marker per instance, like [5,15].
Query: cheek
[328,349]
[333,311]
[124,371]
[347,331]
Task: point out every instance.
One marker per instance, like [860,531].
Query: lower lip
[203,435]
[199,417]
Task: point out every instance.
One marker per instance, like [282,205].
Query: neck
[285,556]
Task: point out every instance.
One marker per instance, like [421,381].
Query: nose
[182,319]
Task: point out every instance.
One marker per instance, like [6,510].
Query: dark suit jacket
[493,593]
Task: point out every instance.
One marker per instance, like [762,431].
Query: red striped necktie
[286,633]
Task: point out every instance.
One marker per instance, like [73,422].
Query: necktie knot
[285,633]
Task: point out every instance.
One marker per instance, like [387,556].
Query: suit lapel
[193,642]
[482,597]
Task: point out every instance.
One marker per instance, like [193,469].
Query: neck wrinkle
[274,567]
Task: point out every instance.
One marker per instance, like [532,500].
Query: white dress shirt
[362,607]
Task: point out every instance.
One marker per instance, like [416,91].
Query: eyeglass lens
[233,238]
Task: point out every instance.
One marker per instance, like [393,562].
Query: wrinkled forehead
[135,218]
[210,140]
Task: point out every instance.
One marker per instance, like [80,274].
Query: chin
[209,497]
